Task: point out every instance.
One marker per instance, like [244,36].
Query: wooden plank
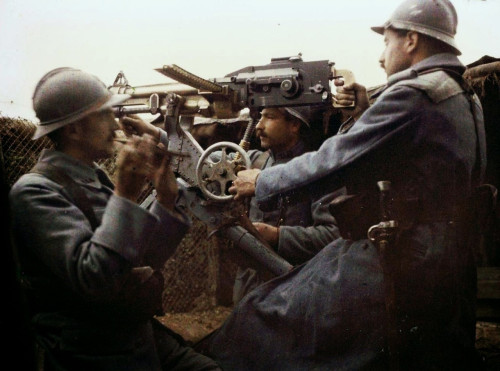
[488,293]
[488,310]
[482,70]
[488,283]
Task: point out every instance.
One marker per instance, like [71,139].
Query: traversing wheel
[217,168]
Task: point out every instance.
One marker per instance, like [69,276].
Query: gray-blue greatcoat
[329,313]
[305,226]
[79,309]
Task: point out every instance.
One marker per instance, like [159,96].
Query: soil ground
[488,343]
[196,325]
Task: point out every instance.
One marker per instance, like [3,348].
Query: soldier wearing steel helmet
[409,163]
[89,255]
[295,230]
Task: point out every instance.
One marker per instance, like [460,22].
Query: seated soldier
[296,230]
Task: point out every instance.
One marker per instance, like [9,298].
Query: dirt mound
[194,326]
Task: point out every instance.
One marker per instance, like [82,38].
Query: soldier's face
[275,132]
[394,58]
[98,133]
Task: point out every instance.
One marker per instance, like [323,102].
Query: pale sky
[207,38]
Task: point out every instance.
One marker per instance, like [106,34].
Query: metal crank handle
[348,77]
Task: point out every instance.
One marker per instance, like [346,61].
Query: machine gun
[284,82]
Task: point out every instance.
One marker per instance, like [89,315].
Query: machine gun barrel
[144,91]
[151,99]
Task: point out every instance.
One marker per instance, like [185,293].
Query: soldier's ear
[412,41]
[295,127]
[68,131]
[75,130]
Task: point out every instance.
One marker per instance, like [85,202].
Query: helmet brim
[379,29]
[409,26]
[295,113]
[44,129]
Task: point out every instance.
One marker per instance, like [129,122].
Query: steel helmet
[65,95]
[434,18]
[301,113]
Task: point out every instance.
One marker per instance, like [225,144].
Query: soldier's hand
[134,125]
[349,94]
[268,232]
[134,166]
[164,179]
[244,184]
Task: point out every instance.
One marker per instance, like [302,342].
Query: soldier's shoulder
[437,85]
[30,181]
